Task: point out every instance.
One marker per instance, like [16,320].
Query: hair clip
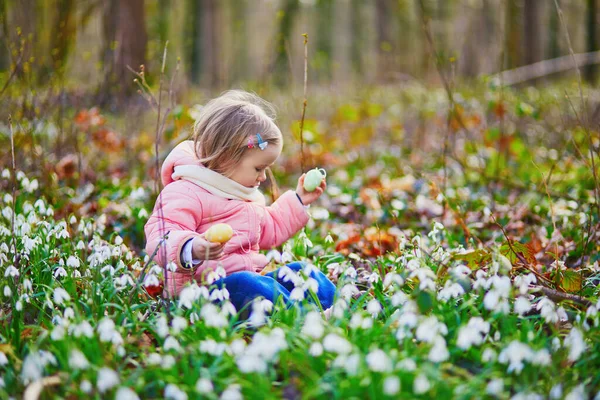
[261,143]
[250,143]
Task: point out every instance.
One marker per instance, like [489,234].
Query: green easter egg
[313,179]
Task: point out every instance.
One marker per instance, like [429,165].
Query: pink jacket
[189,210]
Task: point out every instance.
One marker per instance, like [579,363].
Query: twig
[304,103]
[13,73]
[556,295]
[143,273]
[519,256]
[14,192]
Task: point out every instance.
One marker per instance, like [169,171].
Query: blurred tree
[324,45]
[553,33]
[4,38]
[193,39]
[385,46]
[285,18]
[532,31]
[239,15]
[591,71]
[162,26]
[64,33]
[357,32]
[125,46]
[211,23]
[512,47]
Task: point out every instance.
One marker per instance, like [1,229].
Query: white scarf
[217,184]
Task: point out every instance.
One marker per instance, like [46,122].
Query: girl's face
[251,170]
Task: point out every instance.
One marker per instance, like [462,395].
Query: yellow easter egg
[219,233]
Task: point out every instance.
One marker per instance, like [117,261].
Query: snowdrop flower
[451,290]
[77,360]
[190,294]
[83,329]
[578,393]
[481,282]
[219,295]
[374,307]
[11,271]
[391,278]
[7,291]
[435,232]
[172,392]
[86,386]
[391,385]
[212,316]
[556,393]
[172,344]
[421,384]
[548,311]
[495,387]
[439,351]
[232,393]
[73,262]
[154,359]
[204,386]
[313,325]
[488,355]
[336,344]
[541,358]
[378,361]
[522,305]
[316,349]
[125,393]
[273,255]
[496,299]
[522,282]
[514,355]
[575,343]
[107,379]
[60,295]
[3,359]
[473,333]
[162,326]
[348,291]
[408,364]
[210,346]
[251,363]
[429,328]
[179,324]
[60,272]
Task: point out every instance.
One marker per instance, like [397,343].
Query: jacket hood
[182,154]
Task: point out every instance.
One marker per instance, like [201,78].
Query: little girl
[215,179]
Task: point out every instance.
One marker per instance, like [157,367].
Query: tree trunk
[286,17]
[211,24]
[553,34]
[193,40]
[131,41]
[64,32]
[591,71]
[239,16]
[4,37]
[532,32]
[513,35]
[325,20]
[385,46]
[163,21]
[356,27]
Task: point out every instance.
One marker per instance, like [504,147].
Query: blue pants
[245,286]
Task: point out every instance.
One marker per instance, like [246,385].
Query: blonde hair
[225,125]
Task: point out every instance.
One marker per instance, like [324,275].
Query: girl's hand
[309,197]
[202,249]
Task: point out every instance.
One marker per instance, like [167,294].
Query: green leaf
[517,248]
[571,281]
[474,259]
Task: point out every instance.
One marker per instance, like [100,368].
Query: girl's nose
[262,177]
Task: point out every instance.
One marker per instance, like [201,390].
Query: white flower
[495,387]
[336,344]
[190,294]
[373,307]
[171,344]
[556,392]
[251,363]
[125,393]
[86,386]
[488,355]
[162,326]
[11,271]
[73,262]
[408,364]
[451,290]
[541,358]
[179,324]
[391,385]
[232,393]
[473,333]
[77,360]
[429,328]
[316,349]
[313,325]
[548,310]
[83,329]
[575,343]
[204,386]
[60,295]
[348,291]
[439,351]
[7,291]
[297,294]
[213,317]
[378,361]
[174,393]
[522,305]
[107,379]
[421,384]
[210,346]
[60,272]
[3,359]
[514,355]
[578,393]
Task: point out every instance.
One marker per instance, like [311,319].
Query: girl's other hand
[202,249]
[309,197]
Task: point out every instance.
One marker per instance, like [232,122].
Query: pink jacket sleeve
[181,214]
[282,220]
